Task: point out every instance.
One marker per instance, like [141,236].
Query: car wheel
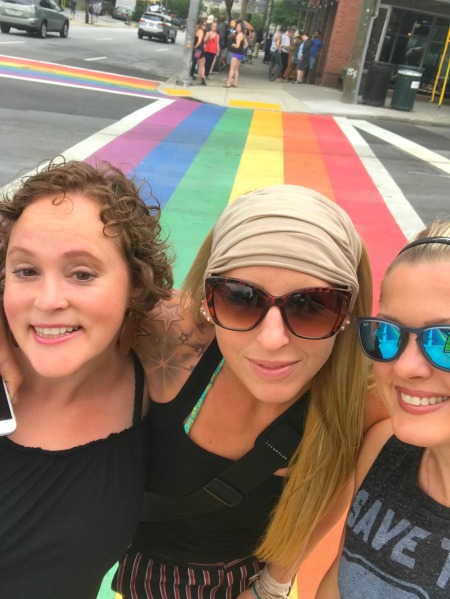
[65,30]
[43,30]
[140,35]
[5,28]
[174,38]
[167,38]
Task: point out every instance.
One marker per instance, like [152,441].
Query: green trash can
[406,86]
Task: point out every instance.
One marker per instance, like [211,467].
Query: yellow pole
[436,81]
[444,85]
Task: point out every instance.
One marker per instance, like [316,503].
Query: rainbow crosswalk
[46,72]
[198,157]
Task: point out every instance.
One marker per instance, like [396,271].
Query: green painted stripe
[205,189]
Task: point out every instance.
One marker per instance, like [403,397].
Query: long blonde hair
[333,431]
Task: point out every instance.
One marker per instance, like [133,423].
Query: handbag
[197,54]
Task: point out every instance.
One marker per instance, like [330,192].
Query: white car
[153,24]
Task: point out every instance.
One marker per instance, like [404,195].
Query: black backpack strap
[273,452]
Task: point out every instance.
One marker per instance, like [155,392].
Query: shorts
[238,56]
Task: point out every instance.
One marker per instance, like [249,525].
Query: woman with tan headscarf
[259,395]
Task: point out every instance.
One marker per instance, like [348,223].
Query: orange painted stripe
[303,161]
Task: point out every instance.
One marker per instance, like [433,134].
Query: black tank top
[67,516]
[178,467]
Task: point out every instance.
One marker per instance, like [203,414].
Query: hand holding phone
[7,420]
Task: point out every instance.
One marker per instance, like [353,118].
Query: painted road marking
[406,217]
[255,105]
[205,188]
[86,78]
[94,143]
[402,143]
[6,43]
[262,161]
[96,58]
[173,91]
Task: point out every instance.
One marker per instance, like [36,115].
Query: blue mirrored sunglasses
[384,340]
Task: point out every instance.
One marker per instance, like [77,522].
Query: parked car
[33,16]
[153,24]
[120,13]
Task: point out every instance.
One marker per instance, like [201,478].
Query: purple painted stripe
[129,149]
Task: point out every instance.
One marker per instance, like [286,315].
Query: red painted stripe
[355,191]
[303,161]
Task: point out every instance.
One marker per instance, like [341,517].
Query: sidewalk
[256,91]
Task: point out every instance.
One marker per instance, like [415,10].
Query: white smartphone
[7,420]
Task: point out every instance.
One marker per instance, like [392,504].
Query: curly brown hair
[125,215]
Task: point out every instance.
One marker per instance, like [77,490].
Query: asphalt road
[38,121]
[113,46]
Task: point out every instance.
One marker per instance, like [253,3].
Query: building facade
[401,32]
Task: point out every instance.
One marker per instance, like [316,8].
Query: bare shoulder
[169,344]
[374,441]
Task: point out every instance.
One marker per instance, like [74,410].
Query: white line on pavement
[162,50]
[402,143]
[96,58]
[404,214]
[79,86]
[6,43]
[96,141]
[103,38]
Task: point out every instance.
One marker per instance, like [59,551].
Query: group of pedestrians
[292,56]
[218,47]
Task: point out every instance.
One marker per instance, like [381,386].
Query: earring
[345,325]
[204,314]
[127,334]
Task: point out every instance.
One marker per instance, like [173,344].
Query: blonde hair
[431,252]
[333,431]
[331,440]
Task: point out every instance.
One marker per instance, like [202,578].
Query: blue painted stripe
[164,167]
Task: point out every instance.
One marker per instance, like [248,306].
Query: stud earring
[204,314]
[345,325]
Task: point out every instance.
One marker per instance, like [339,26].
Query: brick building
[400,32]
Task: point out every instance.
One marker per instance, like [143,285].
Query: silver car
[33,16]
[153,24]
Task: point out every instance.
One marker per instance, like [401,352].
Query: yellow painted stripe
[255,105]
[173,91]
[262,161]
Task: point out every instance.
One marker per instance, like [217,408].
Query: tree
[285,13]
[179,7]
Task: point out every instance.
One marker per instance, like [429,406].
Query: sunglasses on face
[313,313]
[384,340]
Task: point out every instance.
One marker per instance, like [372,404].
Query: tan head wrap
[289,227]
